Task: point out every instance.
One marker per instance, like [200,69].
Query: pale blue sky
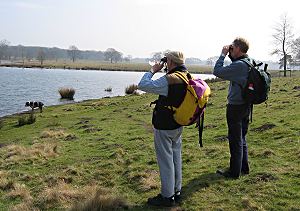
[141,27]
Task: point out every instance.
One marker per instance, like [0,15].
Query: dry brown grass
[249,205]
[15,190]
[19,190]
[3,174]
[66,93]
[86,198]
[131,89]
[24,206]
[65,196]
[146,180]
[102,200]
[17,153]
[62,194]
[149,180]
[5,182]
[53,134]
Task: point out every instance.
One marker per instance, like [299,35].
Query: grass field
[100,153]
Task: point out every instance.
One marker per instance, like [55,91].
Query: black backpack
[258,84]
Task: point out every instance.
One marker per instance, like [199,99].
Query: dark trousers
[238,121]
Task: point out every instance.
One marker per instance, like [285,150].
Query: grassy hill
[100,153]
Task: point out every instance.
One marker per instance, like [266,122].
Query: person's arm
[158,86]
[226,72]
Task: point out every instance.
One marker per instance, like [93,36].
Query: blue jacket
[236,73]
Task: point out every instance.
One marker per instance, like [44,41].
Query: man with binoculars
[237,112]
[167,133]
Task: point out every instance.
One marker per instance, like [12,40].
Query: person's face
[169,62]
[234,51]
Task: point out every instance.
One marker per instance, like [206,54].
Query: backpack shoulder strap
[251,62]
[183,76]
[248,62]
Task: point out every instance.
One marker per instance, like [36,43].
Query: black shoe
[226,174]
[244,172]
[177,197]
[159,200]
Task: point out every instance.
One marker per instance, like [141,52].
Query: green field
[100,153]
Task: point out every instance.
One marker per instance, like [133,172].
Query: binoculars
[163,60]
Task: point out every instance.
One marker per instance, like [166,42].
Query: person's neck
[181,67]
[238,57]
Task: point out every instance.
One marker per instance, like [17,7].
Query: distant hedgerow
[131,89]
[213,80]
[67,93]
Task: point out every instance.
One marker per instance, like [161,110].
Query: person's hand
[157,67]
[225,49]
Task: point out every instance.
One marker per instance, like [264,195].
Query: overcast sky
[141,27]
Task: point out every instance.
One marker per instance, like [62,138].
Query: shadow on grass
[198,183]
[193,186]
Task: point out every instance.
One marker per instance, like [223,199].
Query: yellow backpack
[191,110]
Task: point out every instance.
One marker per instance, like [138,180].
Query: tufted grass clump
[26,120]
[108,89]
[131,89]
[67,93]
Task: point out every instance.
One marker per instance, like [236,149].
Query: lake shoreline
[68,68]
[36,110]
[126,67]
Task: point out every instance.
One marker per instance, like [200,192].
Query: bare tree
[128,58]
[156,56]
[211,60]
[112,55]
[73,52]
[41,56]
[3,48]
[296,48]
[283,40]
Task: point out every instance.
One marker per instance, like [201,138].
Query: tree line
[29,53]
[285,46]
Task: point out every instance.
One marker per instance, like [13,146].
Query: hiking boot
[177,197]
[159,200]
[226,174]
[244,172]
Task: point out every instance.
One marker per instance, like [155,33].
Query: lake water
[19,85]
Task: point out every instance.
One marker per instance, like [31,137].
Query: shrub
[131,89]
[67,93]
[26,120]
[1,123]
[109,89]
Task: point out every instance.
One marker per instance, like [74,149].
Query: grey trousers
[168,154]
